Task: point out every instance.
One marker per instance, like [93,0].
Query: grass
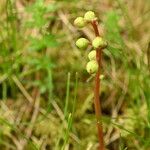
[43,109]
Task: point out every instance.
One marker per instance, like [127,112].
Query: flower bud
[79,22]
[92,55]
[89,16]
[102,77]
[98,42]
[82,43]
[92,66]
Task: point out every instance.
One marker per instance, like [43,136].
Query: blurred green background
[46,95]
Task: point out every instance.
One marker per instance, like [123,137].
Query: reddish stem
[97,104]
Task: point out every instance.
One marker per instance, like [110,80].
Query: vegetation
[46,94]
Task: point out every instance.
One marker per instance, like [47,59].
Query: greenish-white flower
[89,16]
[79,22]
[82,43]
[92,55]
[99,42]
[92,67]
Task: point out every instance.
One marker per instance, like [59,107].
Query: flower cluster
[89,16]
[82,43]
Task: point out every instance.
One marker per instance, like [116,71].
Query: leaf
[47,41]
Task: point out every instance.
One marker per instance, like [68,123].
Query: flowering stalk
[94,65]
[97,104]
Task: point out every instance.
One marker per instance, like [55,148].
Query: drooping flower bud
[82,43]
[92,55]
[89,16]
[79,22]
[92,66]
[99,42]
